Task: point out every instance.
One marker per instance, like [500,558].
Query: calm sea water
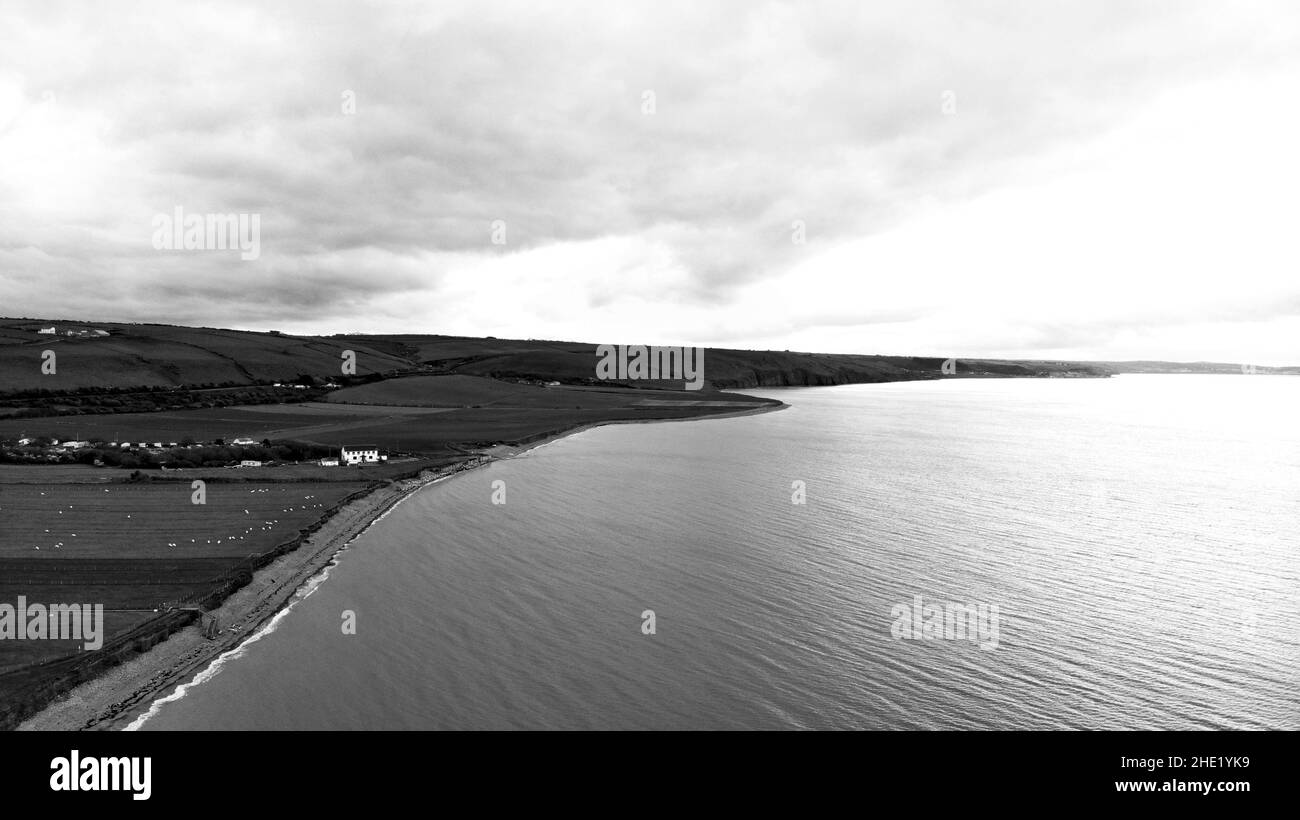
[1137,534]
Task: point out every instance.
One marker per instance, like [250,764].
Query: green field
[156,520]
[457,410]
[134,548]
[147,355]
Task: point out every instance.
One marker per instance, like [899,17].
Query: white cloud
[1114,183]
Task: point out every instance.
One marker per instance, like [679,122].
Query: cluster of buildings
[82,445]
[349,454]
[83,333]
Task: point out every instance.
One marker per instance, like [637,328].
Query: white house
[243,442]
[358,453]
[23,442]
[48,331]
[329,462]
[250,463]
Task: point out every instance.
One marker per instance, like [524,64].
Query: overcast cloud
[1081,180]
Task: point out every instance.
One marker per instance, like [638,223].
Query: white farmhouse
[47,331]
[358,453]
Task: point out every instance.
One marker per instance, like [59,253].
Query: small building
[48,331]
[23,442]
[244,441]
[75,445]
[329,462]
[248,462]
[100,333]
[360,453]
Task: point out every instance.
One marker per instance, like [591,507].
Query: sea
[954,554]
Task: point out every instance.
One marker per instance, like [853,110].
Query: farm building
[48,331]
[243,441]
[248,462]
[358,453]
[329,462]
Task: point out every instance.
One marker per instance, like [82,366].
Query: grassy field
[146,355]
[276,421]
[135,547]
[156,520]
[458,391]
[459,410]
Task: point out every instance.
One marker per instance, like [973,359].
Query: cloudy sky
[1067,180]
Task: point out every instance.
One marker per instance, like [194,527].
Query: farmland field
[455,391]
[134,546]
[166,355]
[142,520]
[325,424]
[502,412]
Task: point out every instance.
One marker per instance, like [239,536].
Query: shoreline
[122,695]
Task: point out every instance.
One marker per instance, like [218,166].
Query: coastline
[125,693]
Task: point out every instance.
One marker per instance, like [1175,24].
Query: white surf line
[213,669]
[301,594]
